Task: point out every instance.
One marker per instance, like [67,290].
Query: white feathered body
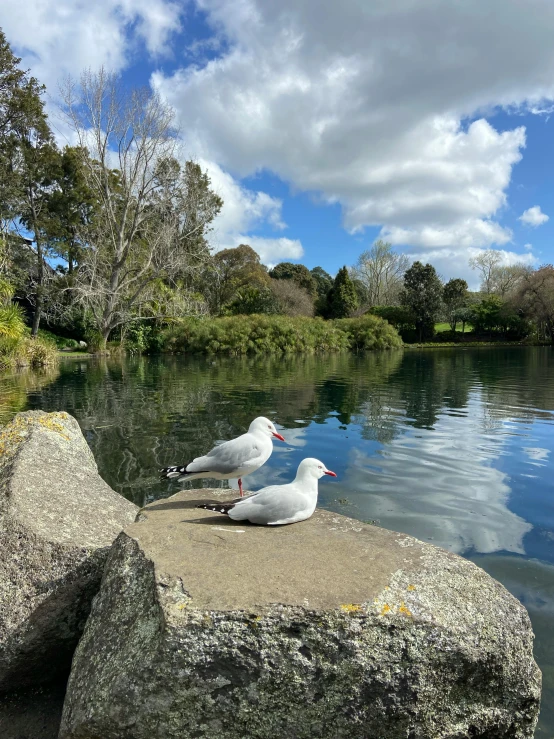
[279,504]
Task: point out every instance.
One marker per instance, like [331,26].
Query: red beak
[328,472]
[278,436]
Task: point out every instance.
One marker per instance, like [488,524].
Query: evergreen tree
[422,294]
[297,272]
[342,298]
[454,296]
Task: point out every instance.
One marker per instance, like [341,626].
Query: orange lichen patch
[411,587]
[351,608]
[385,609]
[404,610]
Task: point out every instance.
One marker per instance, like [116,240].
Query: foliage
[380,270]
[454,296]
[398,316]
[296,272]
[369,332]
[278,334]
[229,273]
[154,213]
[422,295]
[342,299]
[323,281]
[535,297]
[251,300]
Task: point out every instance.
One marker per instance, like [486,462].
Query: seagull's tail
[218,507]
[178,471]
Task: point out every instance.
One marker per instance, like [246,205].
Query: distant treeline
[109,241]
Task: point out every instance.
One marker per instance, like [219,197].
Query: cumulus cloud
[533,216]
[376,106]
[64,37]
[246,210]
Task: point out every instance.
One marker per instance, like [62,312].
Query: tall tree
[342,298]
[535,297]
[323,281]
[297,272]
[454,296]
[232,271]
[422,294]
[28,165]
[71,206]
[380,270]
[486,262]
[155,214]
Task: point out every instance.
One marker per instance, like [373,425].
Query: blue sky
[325,126]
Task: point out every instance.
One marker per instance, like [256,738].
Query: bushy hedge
[262,334]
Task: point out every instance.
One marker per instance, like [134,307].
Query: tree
[230,272]
[297,272]
[381,270]
[249,300]
[486,263]
[342,298]
[535,296]
[422,294]
[454,296]
[323,281]
[504,279]
[291,299]
[28,163]
[71,206]
[154,213]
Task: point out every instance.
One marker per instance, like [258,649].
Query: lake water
[453,446]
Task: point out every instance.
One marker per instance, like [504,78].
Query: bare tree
[486,263]
[505,279]
[153,214]
[381,270]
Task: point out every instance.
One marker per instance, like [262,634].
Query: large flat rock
[204,627]
[58,519]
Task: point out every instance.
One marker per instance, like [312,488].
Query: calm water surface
[453,446]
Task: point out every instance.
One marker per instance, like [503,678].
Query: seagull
[279,504]
[235,458]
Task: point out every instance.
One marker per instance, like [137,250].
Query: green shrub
[369,332]
[262,334]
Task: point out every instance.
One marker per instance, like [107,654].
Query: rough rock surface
[58,519]
[204,627]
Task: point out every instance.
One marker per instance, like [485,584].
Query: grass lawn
[446,327]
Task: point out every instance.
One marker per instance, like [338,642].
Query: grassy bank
[261,334]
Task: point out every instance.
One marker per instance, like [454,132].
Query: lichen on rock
[328,628]
[58,519]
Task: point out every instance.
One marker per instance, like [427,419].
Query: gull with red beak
[279,504]
[235,458]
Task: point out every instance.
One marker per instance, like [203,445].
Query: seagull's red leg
[240,487]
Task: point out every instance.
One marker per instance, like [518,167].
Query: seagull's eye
[320,467]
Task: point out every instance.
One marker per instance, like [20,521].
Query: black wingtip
[217,507]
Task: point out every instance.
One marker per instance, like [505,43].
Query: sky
[325,126]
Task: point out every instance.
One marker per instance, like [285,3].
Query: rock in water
[328,628]
[58,519]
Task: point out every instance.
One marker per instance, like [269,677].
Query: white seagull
[279,504]
[235,458]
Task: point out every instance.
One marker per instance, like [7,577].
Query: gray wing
[227,457]
[273,503]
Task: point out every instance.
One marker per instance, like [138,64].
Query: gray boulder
[328,628]
[58,519]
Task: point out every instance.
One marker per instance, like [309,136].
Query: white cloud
[64,37]
[378,106]
[533,216]
[528,247]
[245,210]
[364,104]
